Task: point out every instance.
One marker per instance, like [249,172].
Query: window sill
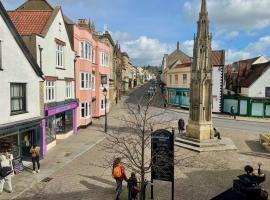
[51,101]
[18,113]
[61,68]
[88,117]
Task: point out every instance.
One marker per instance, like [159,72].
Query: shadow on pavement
[255,146]
[228,195]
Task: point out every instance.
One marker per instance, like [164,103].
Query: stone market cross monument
[200,118]
[199,135]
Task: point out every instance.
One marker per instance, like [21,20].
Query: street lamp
[105,95]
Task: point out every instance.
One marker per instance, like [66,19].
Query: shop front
[178,97]
[59,123]
[19,137]
[247,106]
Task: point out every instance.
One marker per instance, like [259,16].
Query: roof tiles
[30,22]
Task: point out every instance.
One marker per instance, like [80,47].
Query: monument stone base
[200,131]
[186,142]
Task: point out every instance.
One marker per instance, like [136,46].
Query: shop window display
[50,129]
[59,124]
[10,143]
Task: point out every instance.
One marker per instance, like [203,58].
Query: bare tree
[133,142]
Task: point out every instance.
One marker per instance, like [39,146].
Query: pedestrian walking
[35,158]
[181,125]
[6,170]
[133,188]
[232,113]
[119,175]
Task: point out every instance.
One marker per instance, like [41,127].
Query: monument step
[195,143]
[225,144]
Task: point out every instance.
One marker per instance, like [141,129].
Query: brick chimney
[83,23]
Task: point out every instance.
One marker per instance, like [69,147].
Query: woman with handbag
[6,171]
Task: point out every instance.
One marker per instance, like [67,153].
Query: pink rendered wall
[102,47]
[82,65]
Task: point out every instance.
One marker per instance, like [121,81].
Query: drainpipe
[75,60]
[40,56]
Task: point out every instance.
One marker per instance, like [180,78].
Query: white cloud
[187,47]
[240,14]
[231,35]
[142,50]
[262,44]
[260,47]
[233,55]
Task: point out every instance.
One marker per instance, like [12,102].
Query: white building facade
[50,44]
[20,94]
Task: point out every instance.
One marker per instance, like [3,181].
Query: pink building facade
[102,73]
[91,65]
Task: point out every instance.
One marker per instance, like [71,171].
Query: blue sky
[147,29]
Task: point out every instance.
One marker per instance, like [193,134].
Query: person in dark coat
[181,125]
[233,114]
[133,188]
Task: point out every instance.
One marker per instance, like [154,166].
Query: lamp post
[105,95]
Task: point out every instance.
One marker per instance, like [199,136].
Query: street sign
[162,155]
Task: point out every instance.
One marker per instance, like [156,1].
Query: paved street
[199,177]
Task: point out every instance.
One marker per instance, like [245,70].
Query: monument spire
[204,7]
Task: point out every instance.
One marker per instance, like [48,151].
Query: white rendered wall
[49,56]
[257,89]
[217,88]
[16,68]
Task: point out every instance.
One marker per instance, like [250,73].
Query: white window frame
[86,76]
[86,51]
[68,90]
[86,106]
[59,55]
[104,59]
[50,91]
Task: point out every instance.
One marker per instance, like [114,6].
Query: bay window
[85,80]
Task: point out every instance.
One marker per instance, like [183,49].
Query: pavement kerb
[75,157]
[221,117]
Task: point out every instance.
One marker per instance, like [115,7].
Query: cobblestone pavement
[197,177]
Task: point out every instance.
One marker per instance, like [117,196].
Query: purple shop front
[58,121]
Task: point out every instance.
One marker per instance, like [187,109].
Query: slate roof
[30,22]
[35,5]
[255,72]
[176,56]
[19,41]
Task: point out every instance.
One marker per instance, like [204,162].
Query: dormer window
[1,64]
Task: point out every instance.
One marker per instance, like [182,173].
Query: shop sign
[61,109]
